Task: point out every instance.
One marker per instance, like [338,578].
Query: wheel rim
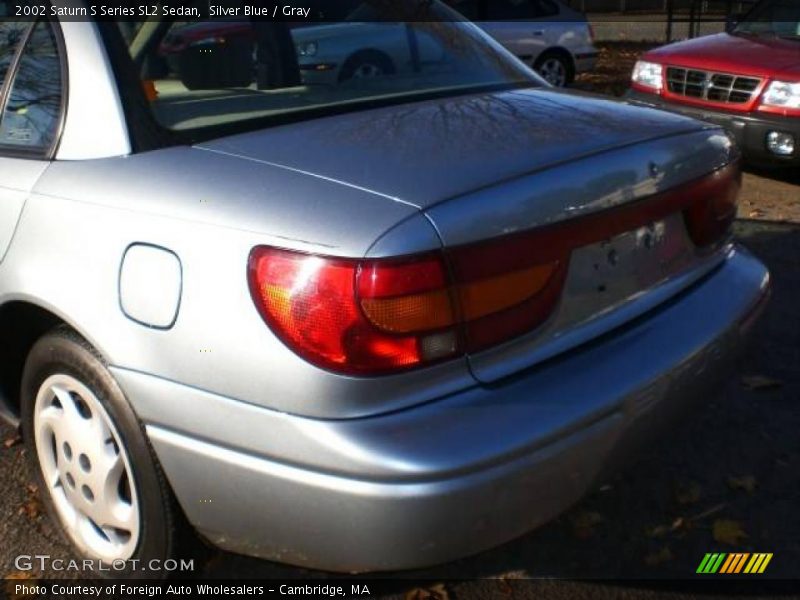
[554,72]
[367,70]
[86,469]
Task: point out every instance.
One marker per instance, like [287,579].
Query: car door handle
[538,32]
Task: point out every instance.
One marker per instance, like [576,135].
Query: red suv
[747,80]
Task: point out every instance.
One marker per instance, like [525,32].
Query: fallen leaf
[729,532]
[659,531]
[505,587]
[661,556]
[678,523]
[662,530]
[760,382]
[436,592]
[31,508]
[19,575]
[584,523]
[747,483]
[11,442]
[706,513]
[689,493]
[504,582]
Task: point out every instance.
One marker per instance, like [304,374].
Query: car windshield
[206,74]
[775,18]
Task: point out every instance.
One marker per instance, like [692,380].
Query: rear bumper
[455,476]
[749,129]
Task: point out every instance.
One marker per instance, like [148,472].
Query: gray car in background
[371,326]
[553,39]
[549,36]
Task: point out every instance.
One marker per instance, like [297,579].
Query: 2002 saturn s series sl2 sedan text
[373,325]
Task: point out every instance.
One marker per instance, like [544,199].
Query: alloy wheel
[86,469]
[554,72]
[367,70]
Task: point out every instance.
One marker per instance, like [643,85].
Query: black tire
[559,57]
[359,60]
[63,352]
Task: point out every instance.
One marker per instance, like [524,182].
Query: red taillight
[377,316]
[366,317]
[507,287]
[710,216]
[358,317]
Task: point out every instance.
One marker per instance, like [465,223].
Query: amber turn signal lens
[420,312]
[489,296]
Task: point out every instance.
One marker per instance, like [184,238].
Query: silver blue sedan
[374,326]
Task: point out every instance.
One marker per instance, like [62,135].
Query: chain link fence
[658,20]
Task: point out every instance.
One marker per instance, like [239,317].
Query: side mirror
[217,64]
[732,20]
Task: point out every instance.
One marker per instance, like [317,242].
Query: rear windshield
[773,18]
[212,73]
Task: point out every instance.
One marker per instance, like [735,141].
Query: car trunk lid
[621,214]
[425,152]
[491,165]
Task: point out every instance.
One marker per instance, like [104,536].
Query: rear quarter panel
[210,210]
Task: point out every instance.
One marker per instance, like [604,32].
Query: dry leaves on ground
[659,557]
[12,441]
[760,382]
[688,494]
[18,575]
[32,507]
[661,530]
[726,531]
[435,592]
[585,522]
[504,581]
[746,483]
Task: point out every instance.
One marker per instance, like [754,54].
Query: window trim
[38,153]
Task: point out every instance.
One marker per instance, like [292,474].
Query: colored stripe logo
[734,563]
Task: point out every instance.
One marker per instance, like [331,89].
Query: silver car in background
[553,39]
[362,327]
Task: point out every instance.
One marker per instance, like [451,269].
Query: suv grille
[716,87]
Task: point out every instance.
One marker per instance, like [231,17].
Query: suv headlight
[782,94]
[648,74]
[307,49]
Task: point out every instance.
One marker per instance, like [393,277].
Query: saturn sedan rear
[374,326]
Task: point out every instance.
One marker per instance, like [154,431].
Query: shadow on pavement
[784,175]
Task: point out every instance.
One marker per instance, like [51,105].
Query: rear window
[202,75]
[33,107]
[11,35]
